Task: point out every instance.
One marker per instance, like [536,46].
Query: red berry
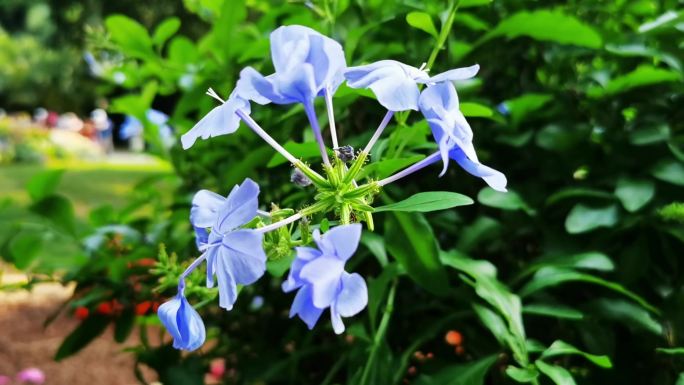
[105,308]
[81,313]
[143,307]
[453,338]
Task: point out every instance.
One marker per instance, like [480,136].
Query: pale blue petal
[324,275]
[290,46]
[265,86]
[303,307]
[246,256]
[211,265]
[226,282]
[494,178]
[297,84]
[394,88]
[221,120]
[453,75]
[343,239]
[167,315]
[444,150]
[327,58]
[353,297]
[336,319]
[205,207]
[304,255]
[239,208]
[325,247]
[183,323]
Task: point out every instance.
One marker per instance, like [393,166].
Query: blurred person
[70,121]
[52,119]
[132,130]
[40,116]
[103,126]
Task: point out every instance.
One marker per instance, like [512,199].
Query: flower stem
[411,169]
[192,267]
[378,131]
[380,334]
[331,117]
[311,114]
[280,223]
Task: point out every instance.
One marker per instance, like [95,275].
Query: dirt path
[24,343]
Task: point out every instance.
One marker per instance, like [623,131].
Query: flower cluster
[236,239]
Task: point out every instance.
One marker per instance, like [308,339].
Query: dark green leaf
[634,193]
[522,375]
[509,200]
[87,331]
[669,171]
[472,373]
[642,76]
[123,326]
[582,218]
[553,310]
[561,348]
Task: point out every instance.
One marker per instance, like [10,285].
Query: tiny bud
[419,356]
[430,356]
[453,338]
[412,371]
[345,153]
[460,350]
[299,178]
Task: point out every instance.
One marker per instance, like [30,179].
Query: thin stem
[382,329]
[331,117]
[264,213]
[311,114]
[443,34]
[411,169]
[192,267]
[265,136]
[280,223]
[378,131]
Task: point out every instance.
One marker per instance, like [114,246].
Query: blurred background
[580,103]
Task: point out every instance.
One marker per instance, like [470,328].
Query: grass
[87,184]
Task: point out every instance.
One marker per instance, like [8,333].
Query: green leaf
[680,379]
[558,138]
[130,35]
[87,331]
[644,75]
[410,240]
[628,313]
[577,192]
[279,266]
[428,201]
[561,348]
[165,30]
[522,375]
[582,219]
[521,107]
[376,245]
[553,276]
[664,21]
[650,135]
[557,374]
[58,210]
[553,310]
[473,3]
[669,171]
[547,25]
[472,373]
[306,150]
[503,200]
[476,110]
[671,351]
[422,21]
[634,193]
[43,184]
[123,326]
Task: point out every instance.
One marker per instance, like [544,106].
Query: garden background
[573,276]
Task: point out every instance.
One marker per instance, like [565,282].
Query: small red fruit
[143,307]
[453,338]
[81,313]
[105,308]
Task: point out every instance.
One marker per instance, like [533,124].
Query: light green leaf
[557,374]
[503,200]
[650,135]
[473,110]
[410,240]
[561,348]
[306,150]
[279,266]
[473,3]
[665,20]
[522,375]
[680,379]
[165,30]
[422,21]
[669,171]
[43,184]
[130,35]
[521,107]
[546,25]
[628,313]
[553,310]
[634,193]
[644,75]
[376,245]
[577,192]
[582,219]
[672,351]
[428,201]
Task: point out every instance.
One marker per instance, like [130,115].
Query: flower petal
[183,323]
[304,255]
[344,240]
[246,256]
[354,295]
[494,178]
[336,319]
[205,207]
[389,81]
[304,307]
[221,120]
[324,276]
[228,291]
[452,75]
[239,208]
[290,46]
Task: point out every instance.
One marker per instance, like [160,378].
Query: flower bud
[299,178]
[345,153]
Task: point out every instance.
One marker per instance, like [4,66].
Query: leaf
[306,150]
[165,30]
[577,192]
[130,35]
[473,3]
[428,201]
[473,110]
[43,184]
[279,266]
[87,331]
[561,348]
[123,326]
[472,373]
[582,219]
[547,25]
[671,351]
[669,171]
[422,21]
[553,276]
[522,375]
[503,200]
[59,211]
[644,75]
[376,290]
[376,245]
[553,310]
[634,193]
[521,107]
[557,374]
[410,240]
[665,20]
[628,313]
[650,135]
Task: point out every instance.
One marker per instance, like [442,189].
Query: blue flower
[306,63]
[234,255]
[322,282]
[395,84]
[439,104]
[223,119]
[183,322]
